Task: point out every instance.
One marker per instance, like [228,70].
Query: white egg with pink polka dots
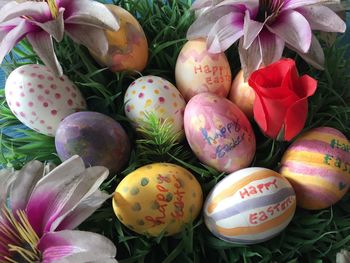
[152,94]
[39,99]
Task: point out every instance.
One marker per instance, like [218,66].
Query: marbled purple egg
[219,133]
[96,138]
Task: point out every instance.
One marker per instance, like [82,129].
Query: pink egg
[39,99]
[219,133]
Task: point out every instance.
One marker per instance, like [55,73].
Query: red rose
[280,106]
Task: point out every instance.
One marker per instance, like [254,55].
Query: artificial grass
[311,236]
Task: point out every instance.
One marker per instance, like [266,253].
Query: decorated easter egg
[219,133]
[199,71]
[39,99]
[151,94]
[127,47]
[250,206]
[95,137]
[159,198]
[317,164]
[242,95]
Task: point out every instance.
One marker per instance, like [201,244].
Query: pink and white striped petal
[225,32]
[294,29]
[61,191]
[322,18]
[76,246]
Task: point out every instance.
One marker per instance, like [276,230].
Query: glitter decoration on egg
[250,206]
[41,100]
[151,94]
[159,198]
[317,164]
[199,71]
[127,47]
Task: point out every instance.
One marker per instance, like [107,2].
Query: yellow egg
[159,198]
[198,71]
[242,95]
[128,47]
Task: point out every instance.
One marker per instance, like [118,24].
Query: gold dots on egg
[173,94]
[133,92]
[148,103]
[175,105]
[143,87]
[161,110]
[156,91]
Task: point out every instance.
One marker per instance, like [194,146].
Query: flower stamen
[18,238]
[269,10]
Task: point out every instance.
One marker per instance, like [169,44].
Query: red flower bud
[281,106]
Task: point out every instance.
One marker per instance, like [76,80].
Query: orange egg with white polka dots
[155,95]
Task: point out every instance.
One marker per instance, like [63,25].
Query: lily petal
[76,246]
[199,4]
[251,58]
[91,37]
[322,18]
[272,47]
[92,13]
[13,37]
[24,183]
[6,178]
[54,27]
[42,45]
[62,196]
[292,4]
[225,32]
[32,9]
[251,30]
[82,211]
[293,28]
[202,26]
[315,56]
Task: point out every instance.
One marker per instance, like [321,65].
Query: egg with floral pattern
[159,198]
[40,99]
[151,94]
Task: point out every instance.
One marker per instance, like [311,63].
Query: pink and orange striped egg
[318,166]
[250,206]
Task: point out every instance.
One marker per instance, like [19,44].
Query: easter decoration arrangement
[174,131]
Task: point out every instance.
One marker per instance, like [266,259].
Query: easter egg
[199,71]
[250,206]
[151,94]
[95,137]
[242,95]
[159,198]
[317,164]
[39,99]
[219,133]
[127,47]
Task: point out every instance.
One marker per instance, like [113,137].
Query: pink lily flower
[264,28]
[40,21]
[39,208]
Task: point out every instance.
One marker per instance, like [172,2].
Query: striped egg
[317,164]
[250,206]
